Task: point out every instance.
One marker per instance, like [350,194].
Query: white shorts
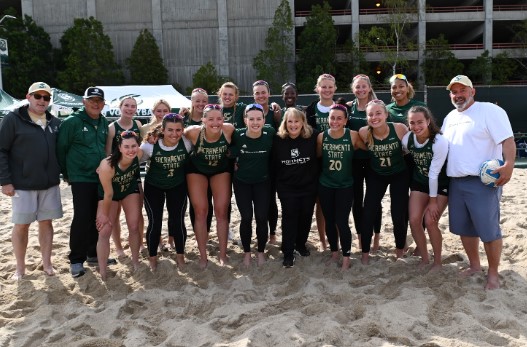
[36,205]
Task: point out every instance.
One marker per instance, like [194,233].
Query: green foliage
[30,55]
[355,63]
[487,70]
[503,68]
[145,62]
[317,45]
[480,70]
[271,63]
[520,36]
[207,77]
[440,64]
[88,58]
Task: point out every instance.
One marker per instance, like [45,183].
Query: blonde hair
[228,85]
[195,92]
[293,112]
[360,77]
[126,97]
[369,136]
[153,120]
[325,76]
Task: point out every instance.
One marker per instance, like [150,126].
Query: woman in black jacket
[296,171]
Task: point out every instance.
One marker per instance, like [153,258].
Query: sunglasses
[209,107]
[128,134]
[339,107]
[375,102]
[173,116]
[288,84]
[398,76]
[251,107]
[40,96]
[199,90]
[327,76]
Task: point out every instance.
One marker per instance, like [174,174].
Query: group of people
[322,156]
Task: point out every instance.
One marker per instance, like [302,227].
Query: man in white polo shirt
[477,131]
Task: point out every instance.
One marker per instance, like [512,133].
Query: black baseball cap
[93,92]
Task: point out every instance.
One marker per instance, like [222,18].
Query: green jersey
[356,120]
[234,115]
[119,130]
[167,167]
[399,114]
[210,158]
[387,155]
[423,159]
[337,155]
[321,119]
[124,182]
[252,155]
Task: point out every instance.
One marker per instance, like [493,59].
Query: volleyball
[485,171]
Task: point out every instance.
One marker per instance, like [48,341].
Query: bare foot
[17,276]
[135,265]
[120,253]
[203,264]
[346,263]
[399,253]
[333,259]
[493,282]
[365,259]
[153,263]
[223,261]
[416,253]
[436,267]
[322,246]
[180,261]
[470,271]
[102,272]
[49,270]
[171,243]
[142,248]
[423,264]
[246,260]
[376,242]
[273,240]
[261,259]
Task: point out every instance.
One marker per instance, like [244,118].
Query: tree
[88,58]
[207,77]
[271,62]
[355,63]
[317,45]
[520,36]
[440,64]
[488,70]
[394,38]
[145,62]
[30,55]
[503,68]
[480,70]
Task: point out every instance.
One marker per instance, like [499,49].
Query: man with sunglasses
[81,147]
[30,173]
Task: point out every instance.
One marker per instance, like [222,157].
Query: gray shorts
[36,205]
[474,209]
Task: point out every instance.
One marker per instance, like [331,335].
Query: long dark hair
[433,129]
[116,155]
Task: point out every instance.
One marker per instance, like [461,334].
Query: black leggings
[273,209]
[336,206]
[361,168]
[297,213]
[83,232]
[375,189]
[176,199]
[246,195]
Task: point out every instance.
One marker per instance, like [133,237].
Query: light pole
[1,20]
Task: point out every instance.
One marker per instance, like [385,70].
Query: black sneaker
[303,252]
[289,262]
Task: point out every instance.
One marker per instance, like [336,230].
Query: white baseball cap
[461,79]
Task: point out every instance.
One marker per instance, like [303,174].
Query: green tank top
[387,155]
[124,182]
[399,114]
[321,119]
[357,119]
[210,157]
[234,115]
[337,155]
[119,130]
[252,155]
[423,158]
[167,168]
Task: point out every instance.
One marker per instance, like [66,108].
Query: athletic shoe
[77,270]
[93,261]
[289,261]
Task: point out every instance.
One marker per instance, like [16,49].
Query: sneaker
[77,270]
[303,252]
[289,261]
[93,261]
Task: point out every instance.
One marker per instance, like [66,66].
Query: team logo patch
[295,153]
